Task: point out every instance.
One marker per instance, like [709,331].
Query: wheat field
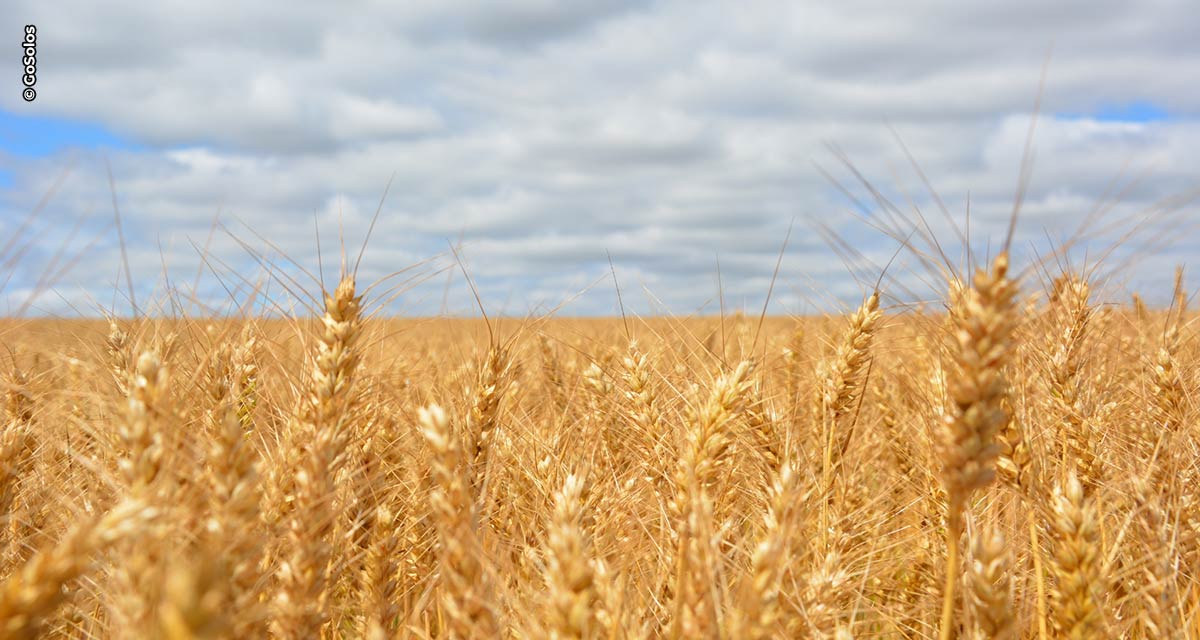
[1016,461]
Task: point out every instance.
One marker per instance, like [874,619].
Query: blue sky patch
[1136,111]
[34,136]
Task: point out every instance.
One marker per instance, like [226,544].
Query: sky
[544,147]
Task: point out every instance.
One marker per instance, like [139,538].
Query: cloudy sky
[542,137]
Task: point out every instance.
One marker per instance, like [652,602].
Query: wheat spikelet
[140,432]
[793,355]
[709,436]
[608,423]
[708,440]
[644,410]
[983,322]
[569,573]
[197,603]
[991,588]
[466,589]
[1071,305]
[840,383]
[1015,461]
[17,444]
[1168,388]
[1074,524]
[839,377]
[302,599]
[490,387]
[1156,610]
[826,594]
[983,325]
[760,612]
[764,431]
[119,363]
[696,607]
[552,369]
[234,491]
[381,582]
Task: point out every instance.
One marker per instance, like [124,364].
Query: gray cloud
[517,24]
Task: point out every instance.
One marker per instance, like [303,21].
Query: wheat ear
[991,588]
[839,385]
[709,439]
[1075,525]
[983,322]
[140,433]
[17,444]
[569,573]
[234,490]
[760,612]
[30,595]
[322,424]
[466,588]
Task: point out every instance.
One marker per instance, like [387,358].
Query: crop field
[599,320]
[1016,461]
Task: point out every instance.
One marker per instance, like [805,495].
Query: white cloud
[548,135]
[356,118]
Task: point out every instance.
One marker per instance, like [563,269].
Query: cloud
[545,137]
[512,24]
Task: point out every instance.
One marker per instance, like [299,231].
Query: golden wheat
[593,478]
